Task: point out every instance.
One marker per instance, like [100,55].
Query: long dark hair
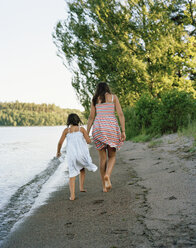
[73,119]
[102,88]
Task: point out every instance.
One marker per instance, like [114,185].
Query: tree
[136,46]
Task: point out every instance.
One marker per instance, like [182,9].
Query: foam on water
[22,201]
[27,173]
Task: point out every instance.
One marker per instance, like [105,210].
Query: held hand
[58,154]
[123,136]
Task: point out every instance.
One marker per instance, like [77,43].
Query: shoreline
[151,204]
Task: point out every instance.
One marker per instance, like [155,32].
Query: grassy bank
[189,131]
[150,117]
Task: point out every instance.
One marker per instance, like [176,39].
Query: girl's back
[76,143]
[78,155]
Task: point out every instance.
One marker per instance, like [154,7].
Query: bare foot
[71,198]
[82,190]
[105,190]
[108,184]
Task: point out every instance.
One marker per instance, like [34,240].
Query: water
[29,171]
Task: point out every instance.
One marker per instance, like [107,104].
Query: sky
[30,70]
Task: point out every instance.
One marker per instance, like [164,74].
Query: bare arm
[91,118]
[86,136]
[58,154]
[121,117]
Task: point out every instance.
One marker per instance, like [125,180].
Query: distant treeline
[31,114]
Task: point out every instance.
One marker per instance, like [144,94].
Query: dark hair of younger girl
[102,88]
[73,119]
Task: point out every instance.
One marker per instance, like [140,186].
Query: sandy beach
[152,203]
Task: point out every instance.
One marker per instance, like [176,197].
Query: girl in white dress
[78,156]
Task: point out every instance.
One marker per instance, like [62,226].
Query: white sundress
[78,156]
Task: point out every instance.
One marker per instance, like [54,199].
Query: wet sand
[152,203]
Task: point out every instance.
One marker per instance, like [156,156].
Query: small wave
[21,202]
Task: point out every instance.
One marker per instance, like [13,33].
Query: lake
[29,171]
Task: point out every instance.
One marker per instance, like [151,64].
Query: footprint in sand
[70,235]
[98,201]
[68,224]
[172,198]
[104,212]
[119,231]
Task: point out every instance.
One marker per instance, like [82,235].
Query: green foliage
[189,131]
[142,138]
[136,46]
[132,124]
[149,116]
[31,114]
[177,109]
[145,108]
[155,143]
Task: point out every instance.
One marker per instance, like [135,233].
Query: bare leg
[72,188]
[110,166]
[102,166]
[82,177]
[111,160]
